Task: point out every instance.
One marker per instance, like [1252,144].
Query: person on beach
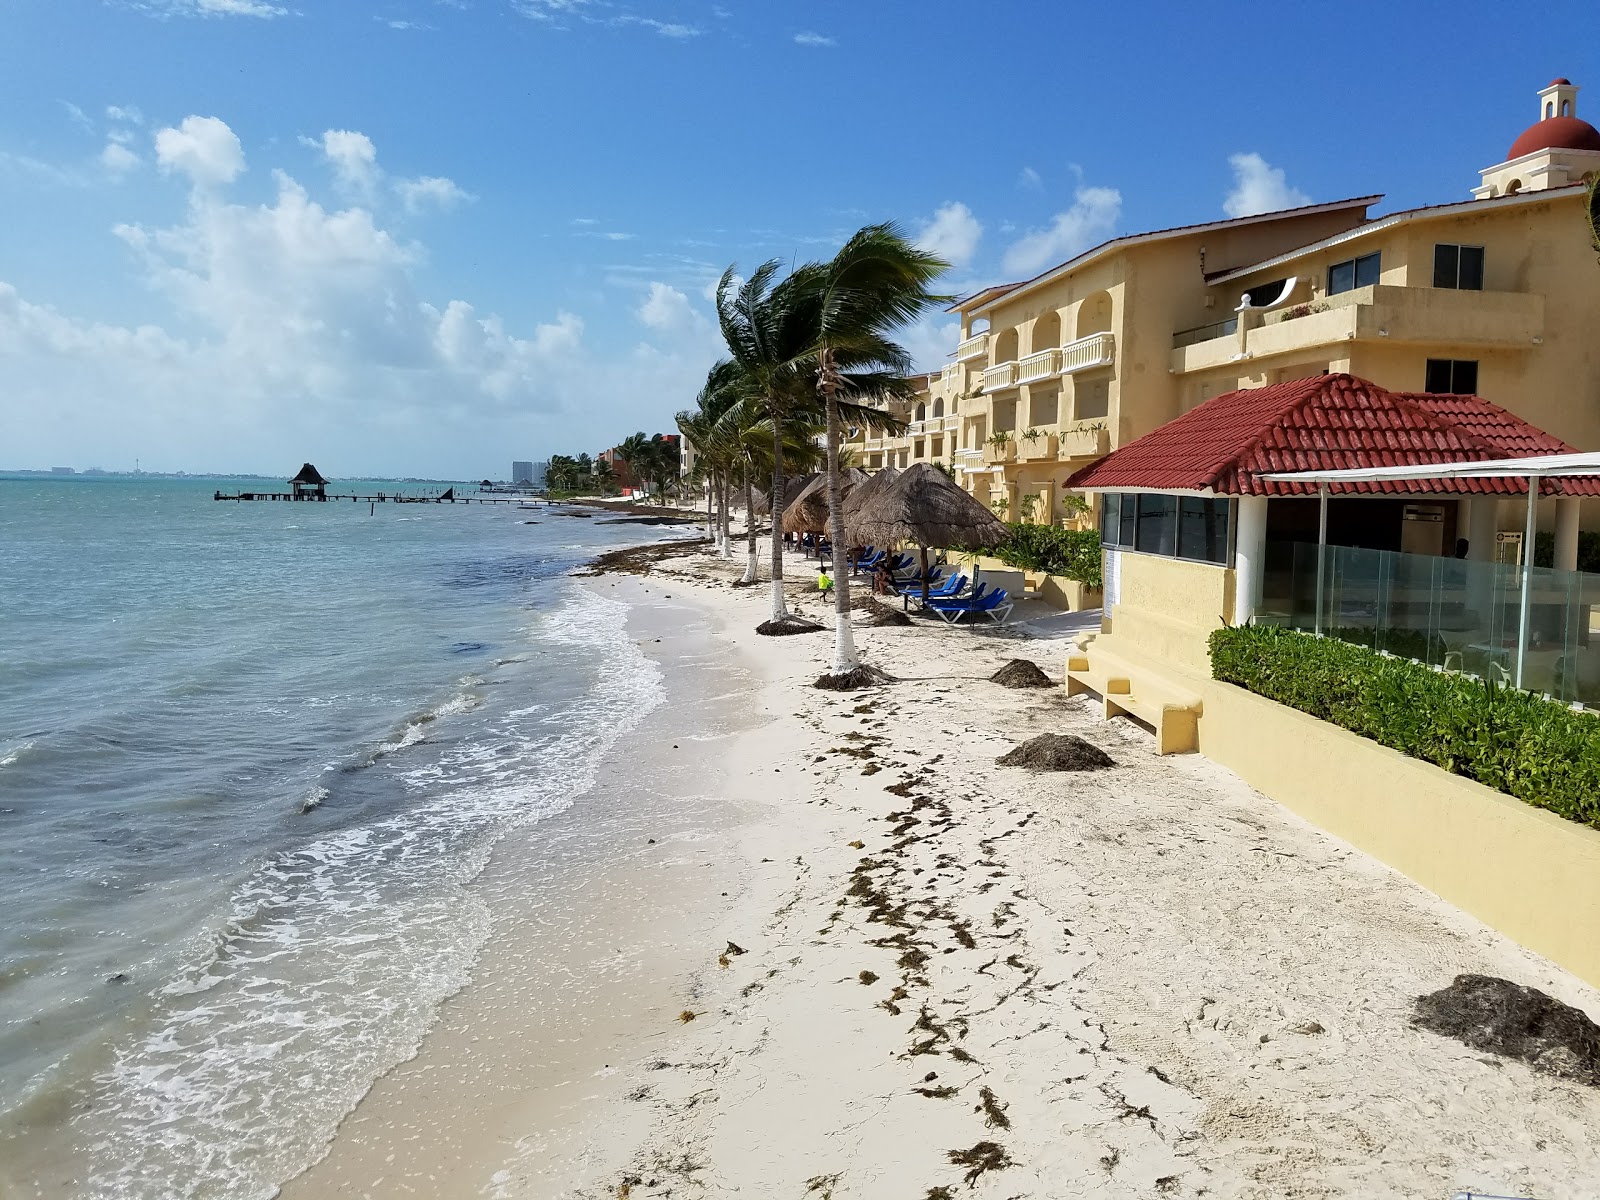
[882,584]
[824,583]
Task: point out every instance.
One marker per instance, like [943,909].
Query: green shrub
[1544,551]
[1071,553]
[1407,643]
[1535,749]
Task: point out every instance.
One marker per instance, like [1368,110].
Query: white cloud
[126,114]
[352,156]
[117,159]
[295,330]
[431,192]
[1090,220]
[586,220]
[203,148]
[211,8]
[1259,187]
[1029,178]
[808,38]
[952,234]
[668,310]
[930,340]
[78,116]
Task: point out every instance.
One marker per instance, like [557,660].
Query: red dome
[1562,82]
[1556,133]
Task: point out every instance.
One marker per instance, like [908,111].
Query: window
[1452,376]
[1458,267]
[1354,273]
[1265,294]
[1043,408]
[1090,398]
[1188,527]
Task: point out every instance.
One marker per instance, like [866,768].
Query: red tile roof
[1328,422]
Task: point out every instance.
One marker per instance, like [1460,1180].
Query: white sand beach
[915,974]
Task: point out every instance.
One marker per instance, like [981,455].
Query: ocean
[252,757]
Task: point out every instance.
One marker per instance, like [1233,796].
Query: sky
[426,237]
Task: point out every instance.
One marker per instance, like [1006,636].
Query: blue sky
[428,236]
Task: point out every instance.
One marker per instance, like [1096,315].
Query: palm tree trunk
[711,520]
[845,657]
[750,573]
[780,610]
[724,487]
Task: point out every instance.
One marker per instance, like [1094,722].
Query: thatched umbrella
[860,494]
[925,507]
[808,512]
[792,487]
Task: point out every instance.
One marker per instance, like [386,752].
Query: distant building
[522,472]
[62,471]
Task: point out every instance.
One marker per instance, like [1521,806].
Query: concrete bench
[1124,688]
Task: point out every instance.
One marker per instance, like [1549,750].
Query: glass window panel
[1446,265]
[1341,277]
[1471,269]
[1438,376]
[1368,268]
[1158,525]
[1464,377]
[1110,518]
[1130,512]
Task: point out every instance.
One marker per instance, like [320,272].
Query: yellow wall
[1167,607]
[1528,873]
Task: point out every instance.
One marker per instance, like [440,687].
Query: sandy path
[1144,981]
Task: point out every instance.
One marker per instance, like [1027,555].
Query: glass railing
[1204,333]
[1447,612]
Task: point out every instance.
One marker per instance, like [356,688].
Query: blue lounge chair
[994,605]
[948,588]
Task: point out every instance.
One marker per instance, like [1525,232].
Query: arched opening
[1094,314]
[1549,109]
[979,325]
[922,412]
[1046,332]
[1005,346]
[1513,187]
[938,406]
[1566,108]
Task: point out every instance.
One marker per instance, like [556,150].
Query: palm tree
[877,283]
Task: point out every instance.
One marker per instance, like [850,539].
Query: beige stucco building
[1497,295]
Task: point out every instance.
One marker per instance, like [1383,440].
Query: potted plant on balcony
[1086,438]
[1001,448]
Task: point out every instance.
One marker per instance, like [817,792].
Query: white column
[1566,534]
[1249,557]
[1483,522]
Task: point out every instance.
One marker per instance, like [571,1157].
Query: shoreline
[964,979]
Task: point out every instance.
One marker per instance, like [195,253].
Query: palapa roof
[793,485]
[1327,422]
[861,493]
[808,512]
[308,474]
[925,507]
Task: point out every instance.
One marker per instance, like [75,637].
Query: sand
[958,978]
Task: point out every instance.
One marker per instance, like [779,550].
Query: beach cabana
[924,507]
[1236,512]
[792,487]
[808,512]
[309,484]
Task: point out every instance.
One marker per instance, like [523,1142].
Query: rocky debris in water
[849,681]
[881,614]
[787,627]
[119,977]
[1020,673]
[1057,752]
[637,560]
[1513,1021]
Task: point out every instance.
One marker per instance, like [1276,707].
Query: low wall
[1530,874]
[1167,607]
[1056,590]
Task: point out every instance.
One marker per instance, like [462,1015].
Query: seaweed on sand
[848,681]
[1057,752]
[1020,673]
[981,1158]
[1513,1021]
[787,627]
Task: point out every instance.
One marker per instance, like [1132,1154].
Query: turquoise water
[251,757]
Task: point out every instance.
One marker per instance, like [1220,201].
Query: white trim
[1139,239]
[1391,221]
[1570,466]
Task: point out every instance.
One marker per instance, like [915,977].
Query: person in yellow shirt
[824,583]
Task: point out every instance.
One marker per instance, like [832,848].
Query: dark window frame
[1364,271]
[1155,523]
[1450,377]
[1458,267]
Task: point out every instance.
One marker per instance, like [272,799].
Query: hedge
[1535,749]
[1071,553]
[1544,551]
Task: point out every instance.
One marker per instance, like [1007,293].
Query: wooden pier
[447,497]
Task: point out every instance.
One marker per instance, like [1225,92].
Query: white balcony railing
[1001,375]
[1040,365]
[952,423]
[975,346]
[969,460]
[1096,350]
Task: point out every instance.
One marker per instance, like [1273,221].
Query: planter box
[1083,443]
[1000,454]
[1067,594]
[1041,449]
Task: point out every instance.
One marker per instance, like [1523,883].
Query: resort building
[1495,296]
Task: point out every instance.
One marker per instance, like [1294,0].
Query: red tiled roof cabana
[1328,422]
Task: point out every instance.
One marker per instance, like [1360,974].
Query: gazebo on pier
[309,484]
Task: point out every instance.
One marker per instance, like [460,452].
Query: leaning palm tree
[877,283]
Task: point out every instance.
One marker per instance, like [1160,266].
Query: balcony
[1083,441]
[975,346]
[1037,449]
[1000,452]
[1000,376]
[1381,313]
[968,460]
[951,423]
[1087,353]
[1042,364]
